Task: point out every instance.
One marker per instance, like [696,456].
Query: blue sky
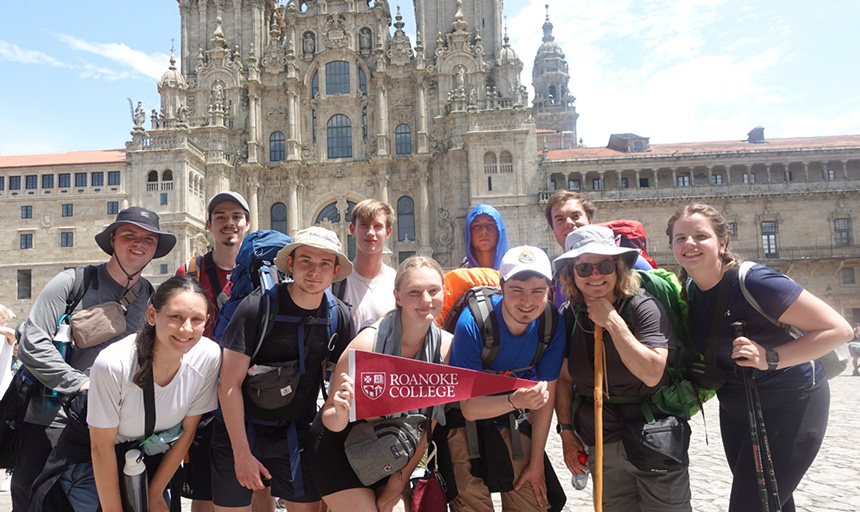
[676,71]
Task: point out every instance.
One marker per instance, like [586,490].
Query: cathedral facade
[308,107]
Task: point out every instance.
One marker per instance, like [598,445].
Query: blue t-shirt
[775,293]
[514,351]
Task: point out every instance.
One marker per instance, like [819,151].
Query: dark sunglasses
[605,267]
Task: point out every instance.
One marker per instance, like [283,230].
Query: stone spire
[547,27]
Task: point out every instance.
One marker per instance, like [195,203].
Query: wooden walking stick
[598,418]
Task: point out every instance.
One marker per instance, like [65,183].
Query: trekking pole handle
[740,328]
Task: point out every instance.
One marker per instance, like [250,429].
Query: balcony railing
[782,254]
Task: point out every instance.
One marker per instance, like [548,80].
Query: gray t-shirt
[36,348]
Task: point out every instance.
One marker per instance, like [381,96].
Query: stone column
[674,176]
[292,202]
[253,202]
[382,136]
[602,180]
[845,169]
[425,246]
[710,175]
[638,183]
[618,178]
[806,171]
[185,50]
[656,178]
[728,174]
[767,168]
[382,180]
[422,120]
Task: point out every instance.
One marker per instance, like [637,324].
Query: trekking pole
[598,418]
[758,435]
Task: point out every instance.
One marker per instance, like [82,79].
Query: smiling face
[485,233]
[566,217]
[523,302]
[596,285]
[696,246]
[179,323]
[419,295]
[133,246]
[370,233]
[312,269]
[228,223]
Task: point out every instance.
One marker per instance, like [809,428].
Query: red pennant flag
[389,384]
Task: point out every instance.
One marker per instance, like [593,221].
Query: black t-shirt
[651,325]
[281,345]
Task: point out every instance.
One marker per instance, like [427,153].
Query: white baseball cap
[525,258]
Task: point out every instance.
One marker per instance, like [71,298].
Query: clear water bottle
[135,492]
[580,481]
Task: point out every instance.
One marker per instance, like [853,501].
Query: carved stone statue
[139,114]
[308,43]
[364,39]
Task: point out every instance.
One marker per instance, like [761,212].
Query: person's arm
[824,329]
[483,407]
[36,348]
[570,444]
[645,363]
[9,334]
[234,367]
[170,463]
[534,472]
[391,494]
[105,468]
[335,411]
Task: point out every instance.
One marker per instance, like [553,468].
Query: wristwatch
[561,427]
[772,357]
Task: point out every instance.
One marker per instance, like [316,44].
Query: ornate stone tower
[553,103]
[307,107]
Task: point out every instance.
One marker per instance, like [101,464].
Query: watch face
[772,356]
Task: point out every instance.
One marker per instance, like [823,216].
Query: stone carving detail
[445,238]
[335,36]
[309,43]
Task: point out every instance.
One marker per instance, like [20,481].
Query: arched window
[337,77]
[490,163]
[330,212]
[276,147]
[403,139]
[552,91]
[152,177]
[167,175]
[405,218]
[362,81]
[339,136]
[506,162]
[315,84]
[279,217]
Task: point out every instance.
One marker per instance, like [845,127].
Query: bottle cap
[133,463]
[582,458]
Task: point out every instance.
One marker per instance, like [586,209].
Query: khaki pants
[473,494]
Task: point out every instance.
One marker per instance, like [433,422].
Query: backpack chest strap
[302,321]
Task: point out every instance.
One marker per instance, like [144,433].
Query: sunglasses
[605,267]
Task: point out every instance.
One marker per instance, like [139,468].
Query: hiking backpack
[195,266]
[479,301]
[254,269]
[631,234]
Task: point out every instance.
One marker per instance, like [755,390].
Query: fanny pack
[657,447]
[378,449]
[272,387]
[97,324]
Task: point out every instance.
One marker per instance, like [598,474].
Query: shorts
[271,448]
[329,466]
[197,473]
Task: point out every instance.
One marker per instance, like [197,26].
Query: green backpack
[680,397]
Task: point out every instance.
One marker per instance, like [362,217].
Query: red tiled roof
[77,157]
[737,146]
[543,130]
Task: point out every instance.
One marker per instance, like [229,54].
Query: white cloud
[150,65]
[15,53]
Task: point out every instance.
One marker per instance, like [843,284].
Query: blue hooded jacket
[501,246]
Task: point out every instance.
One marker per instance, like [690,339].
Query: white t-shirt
[370,298]
[116,402]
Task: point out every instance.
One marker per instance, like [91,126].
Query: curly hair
[145,340]
[626,285]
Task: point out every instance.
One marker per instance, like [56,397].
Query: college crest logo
[373,384]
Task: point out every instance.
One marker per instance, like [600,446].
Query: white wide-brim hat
[592,239]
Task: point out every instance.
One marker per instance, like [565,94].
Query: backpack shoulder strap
[265,316]
[212,272]
[339,289]
[332,317]
[192,267]
[84,277]
[743,270]
[481,306]
[547,325]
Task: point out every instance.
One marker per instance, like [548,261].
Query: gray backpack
[378,449]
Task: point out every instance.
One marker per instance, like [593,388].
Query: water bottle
[580,481]
[135,492]
[62,341]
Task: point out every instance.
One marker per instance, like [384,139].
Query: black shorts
[272,449]
[329,466]
[197,472]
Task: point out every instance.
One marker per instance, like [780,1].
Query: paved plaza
[829,486]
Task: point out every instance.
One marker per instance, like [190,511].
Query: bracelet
[510,402]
